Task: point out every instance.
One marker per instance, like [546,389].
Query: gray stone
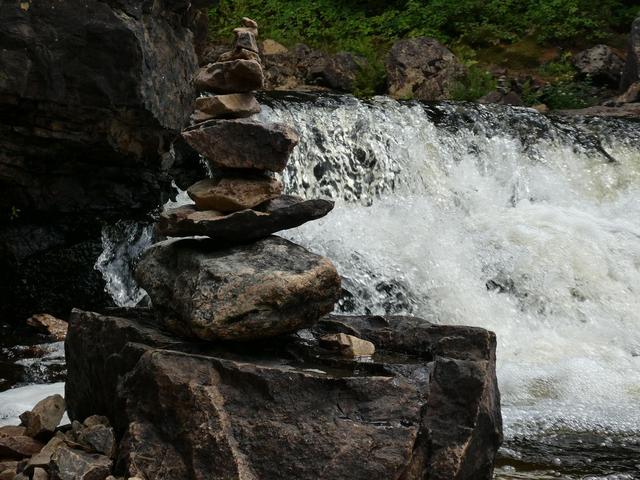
[246,38]
[281,213]
[243,143]
[234,105]
[601,64]
[45,416]
[422,68]
[70,464]
[99,439]
[235,76]
[267,288]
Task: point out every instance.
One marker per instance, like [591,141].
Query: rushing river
[490,216]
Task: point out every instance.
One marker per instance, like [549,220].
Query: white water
[491,217]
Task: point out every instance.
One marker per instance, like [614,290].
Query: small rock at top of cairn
[241,283]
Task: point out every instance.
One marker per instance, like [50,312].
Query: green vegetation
[516,34]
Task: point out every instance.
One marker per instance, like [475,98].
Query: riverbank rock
[52,326]
[422,69]
[287,408]
[233,105]
[281,213]
[91,94]
[44,417]
[267,288]
[243,143]
[601,64]
[18,446]
[338,72]
[233,76]
[230,194]
[631,72]
[70,464]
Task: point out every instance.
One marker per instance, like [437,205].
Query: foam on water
[489,216]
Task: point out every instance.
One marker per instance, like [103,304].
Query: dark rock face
[337,72]
[600,63]
[421,68]
[267,288]
[243,143]
[281,213]
[426,407]
[631,72]
[91,93]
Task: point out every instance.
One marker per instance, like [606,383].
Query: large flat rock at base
[281,213]
[263,289]
[426,406]
[243,143]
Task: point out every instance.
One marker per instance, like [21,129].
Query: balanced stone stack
[240,283]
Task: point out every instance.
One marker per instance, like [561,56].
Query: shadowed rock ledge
[425,406]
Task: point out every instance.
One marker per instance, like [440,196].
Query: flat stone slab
[243,143]
[425,406]
[281,213]
[263,289]
[235,105]
[233,76]
[233,193]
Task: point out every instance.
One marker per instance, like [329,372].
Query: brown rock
[8,474]
[12,431]
[281,213]
[8,466]
[19,446]
[271,47]
[40,474]
[246,38]
[235,76]
[239,54]
[45,416]
[230,194]
[94,420]
[282,409]
[70,464]
[233,105]
[348,345]
[247,22]
[243,143]
[43,458]
[276,287]
[55,327]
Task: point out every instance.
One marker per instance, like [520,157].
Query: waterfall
[491,216]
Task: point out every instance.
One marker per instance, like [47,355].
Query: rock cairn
[240,283]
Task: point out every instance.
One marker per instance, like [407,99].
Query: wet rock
[45,416]
[18,446]
[230,194]
[421,68]
[427,406]
[509,98]
[53,326]
[601,64]
[631,73]
[234,76]
[281,213]
[70,464]
[267,288]
[627,110]
[348,345]
[234,105]
[243,143]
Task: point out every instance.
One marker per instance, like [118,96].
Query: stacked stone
[241,283]
[242,201]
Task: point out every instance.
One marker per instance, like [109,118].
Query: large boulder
[91,94]
[601,64]
[631,72]
[243,143]
[422,68]
[338,72]
[426,406]
[281,213]
[267,288]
